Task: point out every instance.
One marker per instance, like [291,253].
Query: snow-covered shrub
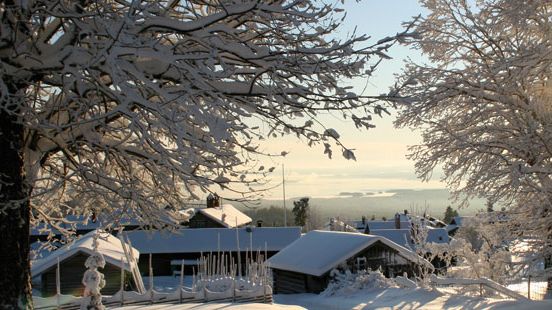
[346,283]
[480,249]
[404,281]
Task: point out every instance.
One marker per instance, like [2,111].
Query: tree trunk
[15,277]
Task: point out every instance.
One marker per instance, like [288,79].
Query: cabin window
[361,263]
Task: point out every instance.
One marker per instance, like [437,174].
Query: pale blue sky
[381,163]
[380,152]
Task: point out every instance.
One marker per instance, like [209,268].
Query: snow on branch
[141,105]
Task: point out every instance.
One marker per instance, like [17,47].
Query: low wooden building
[71,259]
[305,265]
[169,249]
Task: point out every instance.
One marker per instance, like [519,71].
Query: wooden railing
[261,294]
[482,282]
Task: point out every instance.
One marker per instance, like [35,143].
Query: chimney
[397,221]
[210,201]
[213,201]
[363,220]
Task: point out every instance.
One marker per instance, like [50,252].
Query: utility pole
[284,192]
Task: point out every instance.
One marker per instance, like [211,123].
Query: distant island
[351,194]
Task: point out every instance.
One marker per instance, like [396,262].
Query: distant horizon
[431,201]
[367,193]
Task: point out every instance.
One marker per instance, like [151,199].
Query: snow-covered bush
[346,283]
[479,250]
[404,281]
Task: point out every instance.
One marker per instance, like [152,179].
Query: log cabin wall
[380,256]
[288,282]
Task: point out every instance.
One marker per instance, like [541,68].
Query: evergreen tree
[300,211]
[450,213]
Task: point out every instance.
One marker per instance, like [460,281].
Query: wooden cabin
[305,265]
[71,266]
[169,249]
[224,216]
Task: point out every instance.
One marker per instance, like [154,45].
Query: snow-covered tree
[483,105]
[109,107]
[481,248]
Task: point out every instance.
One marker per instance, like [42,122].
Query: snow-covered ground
[388,298]
[371,293]
[400,298]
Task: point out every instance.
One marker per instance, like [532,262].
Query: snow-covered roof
[458,221]
[226,215]
[208,239]
[435,222]
[186,214]
[317,252]
[109,245]
[437,235]
[401,237]
[339,225]
[359,225]
[387,224]
[115,218]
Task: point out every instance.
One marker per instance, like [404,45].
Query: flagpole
[284,194]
